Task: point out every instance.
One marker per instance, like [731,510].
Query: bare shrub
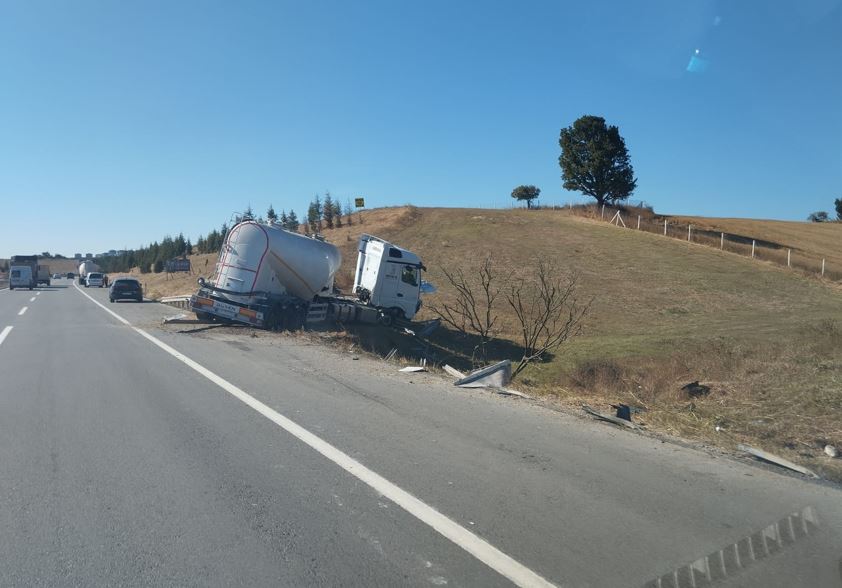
[547,311]
[472,311]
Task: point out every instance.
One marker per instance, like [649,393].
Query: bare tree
[547,310]
[472,312]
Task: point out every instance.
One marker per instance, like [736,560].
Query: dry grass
[666,312]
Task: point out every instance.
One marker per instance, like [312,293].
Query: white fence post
[752,248]
[638,222]
[722,240]
[822,267]
[665,227]
[688,232]
[788,258]
[603,212]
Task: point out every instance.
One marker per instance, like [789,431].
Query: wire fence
[760,249]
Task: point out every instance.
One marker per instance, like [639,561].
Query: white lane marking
[4,333]
[22,310]
[503,564]
[37,293]
[32,299]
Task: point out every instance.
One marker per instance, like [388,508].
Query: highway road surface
[135,454]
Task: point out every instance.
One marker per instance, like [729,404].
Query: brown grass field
[768,341]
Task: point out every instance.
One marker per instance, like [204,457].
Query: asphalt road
[158,457]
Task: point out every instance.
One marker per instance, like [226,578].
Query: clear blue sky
[121,122]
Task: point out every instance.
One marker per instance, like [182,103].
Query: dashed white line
[32,299]
[37,293]
[4,333]
[22,310]
[503,564]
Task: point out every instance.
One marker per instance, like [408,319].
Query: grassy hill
[766,340]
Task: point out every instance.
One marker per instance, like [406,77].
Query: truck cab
[20,276]
[388,277]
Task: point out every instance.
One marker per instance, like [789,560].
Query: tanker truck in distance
[85,268]
[272,278]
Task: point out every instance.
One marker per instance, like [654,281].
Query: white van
[95,279]
[20,276]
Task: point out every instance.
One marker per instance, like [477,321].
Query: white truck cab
[388,276]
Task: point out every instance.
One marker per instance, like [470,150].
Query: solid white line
[22,310]
[505,565]
[4,333]
[32,299]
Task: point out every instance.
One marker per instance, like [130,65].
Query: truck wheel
[386,319]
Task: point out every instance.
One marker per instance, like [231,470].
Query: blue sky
[122,122]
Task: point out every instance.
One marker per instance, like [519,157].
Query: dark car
[125,289]
[70,275]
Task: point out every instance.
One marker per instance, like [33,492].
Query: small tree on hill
[271,215]
[838,204]
[337,214]
[594,160]
[349,212]
[818,217]
[328,210]
[528,193]
[292,221]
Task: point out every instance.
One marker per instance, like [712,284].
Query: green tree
[158,267]
[349,212]
[271,215]
[292,221]
[337,214]
[248,214]
[528,193]
[594,160]
[328,210]
[818,217]
[284,220]
[838,204]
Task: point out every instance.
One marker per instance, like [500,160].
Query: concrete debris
[695,390]
[413,369]
[453,371]
[771,458]
[497,375]
[608,417]
[831,451]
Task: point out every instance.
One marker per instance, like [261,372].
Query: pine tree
[337,214]
[284,219]
[271,215]
[349,212]
[248,214]
[328,210]
[292,221]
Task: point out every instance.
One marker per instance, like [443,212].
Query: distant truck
[85,268]
[23,271]
[269,277]
[43,275]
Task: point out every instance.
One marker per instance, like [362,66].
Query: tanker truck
[272,278]
[85,268]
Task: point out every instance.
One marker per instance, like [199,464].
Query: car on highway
[125,288]
[70,275]
[95,280]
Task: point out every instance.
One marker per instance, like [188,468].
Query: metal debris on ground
[831,451]
[624,411]
[772,458]
[497,375]
[508,392]
[413,369]
[609,418]
[182,319]
[391,354]
[453,371]
[695,390]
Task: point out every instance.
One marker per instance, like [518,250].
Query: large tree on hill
[271,215]
[838,204]
[594,160]
[528,193]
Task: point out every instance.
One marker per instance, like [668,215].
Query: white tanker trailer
[85,268]
[269,277]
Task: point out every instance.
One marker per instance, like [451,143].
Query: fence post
[688,232]
[822,267]
[665,227]
[752,248]
[602,216]
[638,222]
[788,257]
[722,240]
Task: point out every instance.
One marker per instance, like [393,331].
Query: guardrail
[177,301]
